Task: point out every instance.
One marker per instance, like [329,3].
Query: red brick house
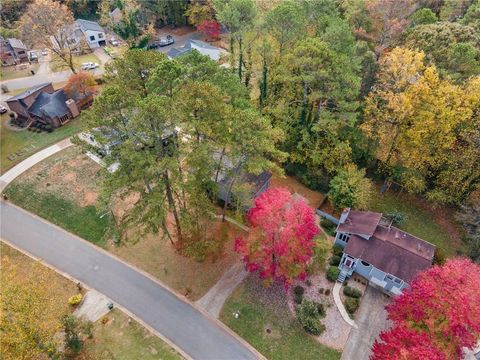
[45,105]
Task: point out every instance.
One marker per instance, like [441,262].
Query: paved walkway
[371,319]
[339,304]
[212,302]
[93,307]
[192,332]
[26,164]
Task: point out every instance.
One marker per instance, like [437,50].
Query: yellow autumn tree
[417,121]
[28,319]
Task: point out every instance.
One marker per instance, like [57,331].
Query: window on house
[100,35]
[364,263]
[21,52]
[393,278]
[92,38]
[344,237]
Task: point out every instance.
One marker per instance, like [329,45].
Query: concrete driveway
[371,319]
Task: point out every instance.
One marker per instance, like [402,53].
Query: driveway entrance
[371,319]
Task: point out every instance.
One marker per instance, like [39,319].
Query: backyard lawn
[422,221]
[16,146]
[58,65]
[11,72]
[117,337]
[266,323]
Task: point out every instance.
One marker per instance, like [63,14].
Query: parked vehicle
[114,41]
[3,109]
[168,40]
[89,66]
[44,52]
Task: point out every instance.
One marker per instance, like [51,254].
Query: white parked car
[114,41]
[3,109]
[89,66]
[45,52]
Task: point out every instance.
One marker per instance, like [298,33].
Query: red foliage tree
[210,28]
[82,83]
[440,311]
[280,242]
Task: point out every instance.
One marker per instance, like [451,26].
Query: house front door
[348,261]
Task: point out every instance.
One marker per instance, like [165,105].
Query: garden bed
[265,321]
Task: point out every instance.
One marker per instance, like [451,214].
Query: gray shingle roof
[88,25]
[50,105]
[16,43]
[175,52]
[28,92]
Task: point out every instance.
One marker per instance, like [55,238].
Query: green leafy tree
[439,41]
[238,16]
[472,16]
[350,188]
[286,23]
[423,16]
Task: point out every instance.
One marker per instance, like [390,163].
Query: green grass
[28,142]
[58,65]
[82,221]
[287,339]
[119,339]
[419,222]
[9,72]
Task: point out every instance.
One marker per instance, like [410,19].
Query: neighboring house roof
[16,43]
[116,14]
[85,25]
[50,105]
[388,248]
[28,92]
[359,222]
[202,47]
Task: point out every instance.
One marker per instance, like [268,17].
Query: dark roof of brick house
[393,251]
[50,105]
[28,92]
[359,222]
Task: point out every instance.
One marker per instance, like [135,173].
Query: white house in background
[81,31]
[202,47]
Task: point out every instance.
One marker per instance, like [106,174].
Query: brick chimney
[72,106]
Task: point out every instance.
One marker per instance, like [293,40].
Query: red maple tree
[439,313]
[280,242]
[210,28]
[82,83]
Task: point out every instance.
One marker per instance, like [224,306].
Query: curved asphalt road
[197,335]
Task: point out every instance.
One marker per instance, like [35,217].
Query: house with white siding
[383,254]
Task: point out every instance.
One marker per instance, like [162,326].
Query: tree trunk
[240,58]
[219,167]
[303,113]
[263,83]
[171,203]
[229,192]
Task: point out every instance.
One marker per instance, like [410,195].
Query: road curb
[87,287]
[147,275]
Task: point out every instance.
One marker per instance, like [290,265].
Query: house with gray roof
[202,47]
[386,256]
[83,31]
[43,104]
[13,51]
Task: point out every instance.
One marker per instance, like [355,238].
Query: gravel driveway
[371,319]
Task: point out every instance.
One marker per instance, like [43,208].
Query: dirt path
[212,302]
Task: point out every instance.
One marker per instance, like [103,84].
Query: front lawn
[57,64]
[116,337]
[13,72]
[64,189]
[85,222]
[16,146]
[266,323]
